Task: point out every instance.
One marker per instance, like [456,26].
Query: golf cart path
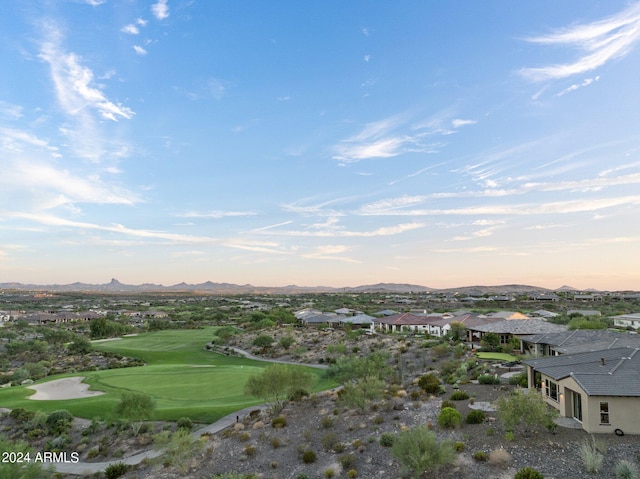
[90,468]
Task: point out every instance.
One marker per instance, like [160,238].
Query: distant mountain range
[115,286]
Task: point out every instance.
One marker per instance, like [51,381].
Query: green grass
[183,378]
[496,356]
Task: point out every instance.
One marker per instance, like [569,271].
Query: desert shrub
[329,440]
[113,471]
[250,450]
[347,461]
[499,457]
[418,450]
[326,422]
[475,417]
[459,396]
[278,422]
[387,439]
[414,395]
[302,476]
[429,383]
[352,473]
[525,409]
[519,380]
[308,456]
[59,422]
[244,436]
[626,470]
[275,442]
[378,420]
[447,403]
[458,446]
[528,473]
[21,415]
[480,456]
[488,379]
[328,473]
[590,456]
[185,423]
[263,341]
[449,418]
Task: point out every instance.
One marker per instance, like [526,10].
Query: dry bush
[499,457]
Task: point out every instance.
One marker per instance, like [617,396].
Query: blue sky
[321,143]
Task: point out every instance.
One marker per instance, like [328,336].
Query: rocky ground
[346,439]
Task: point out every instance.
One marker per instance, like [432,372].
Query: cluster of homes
[589,376]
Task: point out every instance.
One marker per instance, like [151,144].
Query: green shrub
[475,417]
[329,441]
[352,473]
[481,456]
[347,461]
[329,473]
[250,450]
[459,396]
[528,473]
[278,422]
[387,439]
[429,383]
[275,442]
[447,403]
[418,450]
[519,380]
[488,379]
[449,418]
[185,423]
[308,456]
[21,415]
[458,446]
[626,470]
[326,422]
[59,422]
[113,471]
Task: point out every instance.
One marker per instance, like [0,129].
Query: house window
[604,413]
[551,389]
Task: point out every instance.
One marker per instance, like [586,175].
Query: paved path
[90,468]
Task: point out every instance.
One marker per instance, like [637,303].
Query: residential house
[513,328]
[577,341]
[599,389]
[627,321]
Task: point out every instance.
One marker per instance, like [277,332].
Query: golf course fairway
[182,377]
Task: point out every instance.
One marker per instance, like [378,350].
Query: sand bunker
[66,388]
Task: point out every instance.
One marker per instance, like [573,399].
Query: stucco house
[577,341]
[599,389]
[627,321]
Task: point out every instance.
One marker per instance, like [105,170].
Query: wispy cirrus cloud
[382,139]
[332,230]
[160,9]
[75,87]
[330,252]
[56,221]
[216,214]
[519,209]
[601,42]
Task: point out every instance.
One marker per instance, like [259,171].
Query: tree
[277,382]
[525,409]
[263,341]
[458,331]
[136,407]
[490,342]
[80,345]
[419,451]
